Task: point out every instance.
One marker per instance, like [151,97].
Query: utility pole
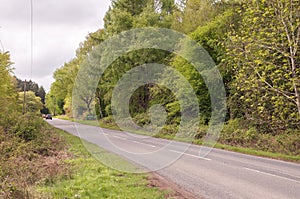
[24,99]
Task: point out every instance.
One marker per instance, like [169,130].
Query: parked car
[48,117]
[90,117]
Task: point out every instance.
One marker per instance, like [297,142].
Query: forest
[254,44]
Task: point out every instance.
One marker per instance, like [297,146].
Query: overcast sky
[59,26]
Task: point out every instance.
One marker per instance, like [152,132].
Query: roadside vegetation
[38,161]
[88,178]
[31,153]
[254,43]
[30,150]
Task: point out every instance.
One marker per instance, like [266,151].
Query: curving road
[220,174]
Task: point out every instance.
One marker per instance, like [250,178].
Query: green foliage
[26,145]
[59,99]
[196,13]
[29,154]
[31,86]
[27,127]
[237,133]
[254,43]
[265,57]
[32,103]
[211,36]
[8,96]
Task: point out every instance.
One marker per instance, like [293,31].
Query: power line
[31,57]
[31,39]
[1,44]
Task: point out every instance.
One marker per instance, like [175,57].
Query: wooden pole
[24,99]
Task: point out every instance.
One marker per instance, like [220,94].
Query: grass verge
[248,151]
[91,179]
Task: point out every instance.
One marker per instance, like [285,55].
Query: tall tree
[8,96]
[265,55]
[32,103]
[42,94]
[196,13]
[120,18]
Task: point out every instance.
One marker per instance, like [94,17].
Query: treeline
[254,43]
[12,93]
[32,88]
[39,91]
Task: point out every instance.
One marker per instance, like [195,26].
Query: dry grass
[24,163]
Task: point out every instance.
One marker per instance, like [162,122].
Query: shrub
[27,127]
[31,152]
[237,133]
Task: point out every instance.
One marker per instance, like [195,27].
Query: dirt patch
[173,190]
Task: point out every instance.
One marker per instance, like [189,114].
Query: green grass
[248,151]
[91,179]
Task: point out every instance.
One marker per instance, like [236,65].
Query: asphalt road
[220,174]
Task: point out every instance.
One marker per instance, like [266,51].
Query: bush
[31,152]
[27,127]
[237,133]
[108,120]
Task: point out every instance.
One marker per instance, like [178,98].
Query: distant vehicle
[48,117]
[90,117]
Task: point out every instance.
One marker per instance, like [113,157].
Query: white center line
[195,156]
[285,178]
[119,137]
[143,143]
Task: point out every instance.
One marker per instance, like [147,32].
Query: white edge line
[285,178]
[191,155]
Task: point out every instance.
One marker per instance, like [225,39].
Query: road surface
[220,174]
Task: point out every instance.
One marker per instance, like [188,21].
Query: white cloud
[59,27]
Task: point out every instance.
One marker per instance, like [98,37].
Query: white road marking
[195,156]
[119,137]
[262,172]
[143,143]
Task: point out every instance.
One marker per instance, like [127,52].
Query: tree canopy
[254,43]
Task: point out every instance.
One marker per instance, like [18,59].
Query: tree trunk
[295,85]
[98,97]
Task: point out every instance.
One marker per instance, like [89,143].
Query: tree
[32,104]
[8,96]
[196,13]
[265,55]
[122,17]
[62,87]
[84,92]
[42,94]
[51,103]
[211,35]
